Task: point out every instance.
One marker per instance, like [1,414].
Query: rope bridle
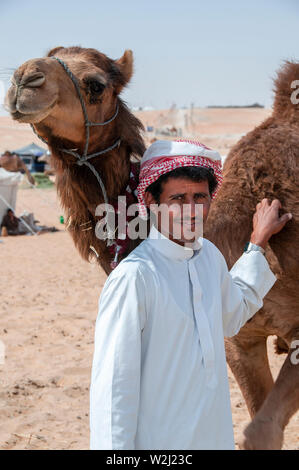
[84,159]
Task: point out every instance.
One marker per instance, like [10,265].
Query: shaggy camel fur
[262,164]
[12,162]
[265,164]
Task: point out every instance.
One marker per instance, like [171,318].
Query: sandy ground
[48,307]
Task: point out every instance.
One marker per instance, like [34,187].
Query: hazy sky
[206,52]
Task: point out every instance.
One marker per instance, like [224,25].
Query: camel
[262,164]
[12,162]
[265,164]
[44,94]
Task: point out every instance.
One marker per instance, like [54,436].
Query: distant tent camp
[32,149]
[29,154]
[8,190]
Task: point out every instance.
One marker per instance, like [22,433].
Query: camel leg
[248,361]
[266,430]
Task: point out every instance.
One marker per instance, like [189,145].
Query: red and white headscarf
[164,156]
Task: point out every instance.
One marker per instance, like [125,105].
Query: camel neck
[115,169]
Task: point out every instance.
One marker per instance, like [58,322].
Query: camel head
[286,88]
[62,96]
[43,94]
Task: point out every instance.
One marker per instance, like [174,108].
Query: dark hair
[193,173]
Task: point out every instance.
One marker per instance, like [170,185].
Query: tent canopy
[32,149]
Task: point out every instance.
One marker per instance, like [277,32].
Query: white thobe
[159,376]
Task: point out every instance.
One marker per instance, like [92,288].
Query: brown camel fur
[263,164]
[12,162]
[47,98]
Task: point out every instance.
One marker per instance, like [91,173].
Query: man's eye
[96,87]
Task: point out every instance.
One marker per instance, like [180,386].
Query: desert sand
[48,307]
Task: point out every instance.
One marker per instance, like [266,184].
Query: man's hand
[266,221]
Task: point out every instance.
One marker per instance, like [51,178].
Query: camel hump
[286,88]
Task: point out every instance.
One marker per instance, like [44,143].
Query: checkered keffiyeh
[164,156]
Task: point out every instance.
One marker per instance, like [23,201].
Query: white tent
[8,190]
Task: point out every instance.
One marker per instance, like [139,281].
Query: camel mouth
[33,117]
[17,116]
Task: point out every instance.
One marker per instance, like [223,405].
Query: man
[25,225]
[159,378]
[10,224]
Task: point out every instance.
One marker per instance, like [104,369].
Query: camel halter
[83,159]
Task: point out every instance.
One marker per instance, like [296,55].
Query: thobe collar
[173,250]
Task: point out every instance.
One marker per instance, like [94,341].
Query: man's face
[184,207]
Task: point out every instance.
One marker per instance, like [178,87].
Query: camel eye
[96,87]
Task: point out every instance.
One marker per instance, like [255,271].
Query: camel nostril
[33,80]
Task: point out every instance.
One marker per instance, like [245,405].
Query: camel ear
[54,51]
[125,67]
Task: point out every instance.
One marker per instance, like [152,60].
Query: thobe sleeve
[115,383]
[243,289]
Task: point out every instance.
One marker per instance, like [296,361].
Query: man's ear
[124,66]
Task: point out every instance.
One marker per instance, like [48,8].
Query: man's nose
[192,208]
